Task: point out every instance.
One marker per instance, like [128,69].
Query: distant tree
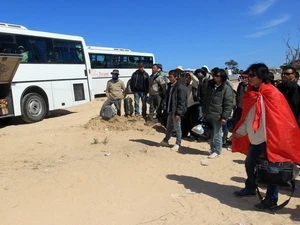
[292,55]
[231,64]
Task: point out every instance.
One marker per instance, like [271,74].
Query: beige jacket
[115,90]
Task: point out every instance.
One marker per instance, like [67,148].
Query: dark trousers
[155,105]
[255,151]
[117,103]
[190,119]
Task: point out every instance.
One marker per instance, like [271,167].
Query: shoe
[137,114]
[213,155]
[164,143]
[175,147]
[229,148]
[265,204]
[244,193]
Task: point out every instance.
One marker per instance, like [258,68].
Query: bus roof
[119,51]
[19,29]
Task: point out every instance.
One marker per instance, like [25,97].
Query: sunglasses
[287,74]
[251,75]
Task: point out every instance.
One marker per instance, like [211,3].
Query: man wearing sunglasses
[290,89]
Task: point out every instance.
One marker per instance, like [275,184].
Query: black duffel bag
[278,174]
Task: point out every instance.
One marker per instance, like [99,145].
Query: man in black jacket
[176,106]
[139,85]
[290,89]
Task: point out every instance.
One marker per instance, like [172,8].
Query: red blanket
[282,131]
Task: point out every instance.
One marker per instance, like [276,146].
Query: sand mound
[120,123]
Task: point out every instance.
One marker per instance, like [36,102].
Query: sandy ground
[76,169]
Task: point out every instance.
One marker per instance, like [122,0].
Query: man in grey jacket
[217,108]
[157,92]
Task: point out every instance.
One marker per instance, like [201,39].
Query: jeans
[216,136]
[116,102]
[155,104]
[225,131]
[172,122]
[137,95]
[253,155]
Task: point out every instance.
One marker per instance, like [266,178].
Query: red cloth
[282,131]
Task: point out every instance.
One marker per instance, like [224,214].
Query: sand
[75,169]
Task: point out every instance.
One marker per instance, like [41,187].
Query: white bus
[53,73]
[104,60]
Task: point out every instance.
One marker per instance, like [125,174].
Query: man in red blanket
[267,128]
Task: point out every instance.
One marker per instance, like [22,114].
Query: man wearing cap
[115,90]
[157,92]
[139,84]
[24,53]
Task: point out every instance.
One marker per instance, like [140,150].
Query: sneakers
[265,204]
[244,193]
[164,143]
[213,155]
[175,147]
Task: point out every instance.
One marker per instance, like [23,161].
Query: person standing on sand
[259,133]
[176,105]
[217,108]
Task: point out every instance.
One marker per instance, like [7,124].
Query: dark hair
[173,73]
[198,71]
[213,71]
[159,66]
[155,65]
[260,70]
[271,76]
[223,74]
[290,68]
[205,70]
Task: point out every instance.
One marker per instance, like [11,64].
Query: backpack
[128,89]
[128,106]
[108,112]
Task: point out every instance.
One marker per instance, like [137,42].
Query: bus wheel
[33,108]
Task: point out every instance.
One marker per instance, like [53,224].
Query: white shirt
[259,136]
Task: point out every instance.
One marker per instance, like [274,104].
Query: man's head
[179,68]
[159,66]
[220,76]
[244,78]
[173,76]
[154,68]
[20,49]
[115,74]
[141,66]
[289,74]
[204,70]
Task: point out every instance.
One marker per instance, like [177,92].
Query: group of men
[254,113]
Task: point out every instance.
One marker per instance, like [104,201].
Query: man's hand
[223,122]
[177,117]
